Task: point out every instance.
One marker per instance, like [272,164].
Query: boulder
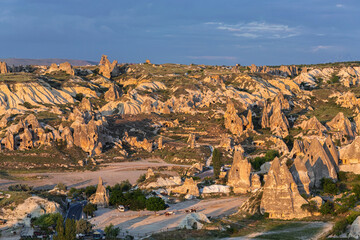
[101,196]
[216,189]
[193,221]
[281,197]
[355,229]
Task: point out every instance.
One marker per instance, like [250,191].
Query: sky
[223,32]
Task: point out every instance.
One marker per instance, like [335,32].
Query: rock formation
[133,141]
[188,188]
[239,177]
[281,197]
[160,142]
[191,140]
[313,127]
[108,69]
[114,93]
[355,229]
[234,122]
[3,68]
[350,154]
[101,196]
[150,173]
[341,128]
[87,136]
[275,119]
[66,67]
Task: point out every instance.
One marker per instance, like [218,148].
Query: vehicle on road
[121,208]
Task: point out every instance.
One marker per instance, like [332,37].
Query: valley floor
[111,173]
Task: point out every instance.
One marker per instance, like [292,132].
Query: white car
[121,208]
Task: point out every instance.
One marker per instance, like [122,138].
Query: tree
[89,209]
[83,226]
[111,231]
[47,220]
[327,208]
[356,190]
[70,229]
[329,186]
[116,198]
[155,204]
[90,190]
[216,162]
[311,207]
[60,231]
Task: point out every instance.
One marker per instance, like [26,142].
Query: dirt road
[144,223]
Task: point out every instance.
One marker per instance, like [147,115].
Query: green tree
[83,226]
[90,190]
[47,220]
[111,231]
[70,229]
[356,190]
[60,231]
[116,198]
[327,208]
[311,207]
[89,209]
[329,186]
[216,162]
[155,204]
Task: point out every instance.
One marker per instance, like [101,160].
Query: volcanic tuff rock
[234,122]
[66,67]
[341,127]
[108,69]
[101,196]
[281,197]
[313,127]
[189,187]
[114,93]
[3,68]
[191,140]
[351,153]
[239,176]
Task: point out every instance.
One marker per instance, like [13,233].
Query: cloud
[321,47]
[339,5]
[231,58]
[257,30]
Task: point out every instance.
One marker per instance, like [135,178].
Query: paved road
[75,210]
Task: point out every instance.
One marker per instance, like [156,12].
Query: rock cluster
[101,196]
[3,68]
[133,141]
[274,118]
[341,128]
[281,197]
[235,123]
[108,69]
[313,162]
[114,93]
[286,71]
[66,67]
[188,188]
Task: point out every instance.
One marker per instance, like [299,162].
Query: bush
[111,231]
[141,179]
[47,220]
[20,188]
[329,186]
[311,207]
[269,156]
[79,96]
[61,186]
[339,227]
[89,190]
[356,190]
[155,204]
[89,209]
[327,208]
[83,226]
[334,79]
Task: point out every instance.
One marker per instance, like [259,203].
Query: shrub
[47,220]
[111,231]
[356,190]
[339,227]
[20,188]
[269,156]
[79,96]
[83,226]
[311,207]
[329,186]
[89,190]
[327,208]
[89,209]
[155,204]
[334,79]
[141,179]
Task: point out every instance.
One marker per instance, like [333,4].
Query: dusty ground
[144,223]
[111,174]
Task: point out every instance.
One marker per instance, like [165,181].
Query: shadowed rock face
[281,197]
[101,196]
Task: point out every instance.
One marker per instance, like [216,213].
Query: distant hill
[46,61]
